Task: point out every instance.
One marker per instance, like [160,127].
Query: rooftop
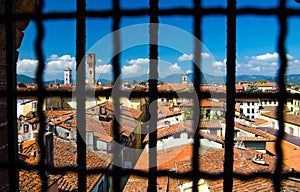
[65,154]
[288,118]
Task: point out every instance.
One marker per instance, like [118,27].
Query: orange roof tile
[65,154]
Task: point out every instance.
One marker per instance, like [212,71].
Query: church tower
[91,62]
[184,79]
[68,76]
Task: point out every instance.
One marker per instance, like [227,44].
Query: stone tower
[68,76]
[91,62]
[184,79]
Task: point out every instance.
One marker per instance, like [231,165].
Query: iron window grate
[198,12]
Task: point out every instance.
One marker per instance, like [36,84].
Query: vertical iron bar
[230,95]
[41,96]
[197,82]
[10,33]
[80,93]
[153,78]
[116,100]
[282,93]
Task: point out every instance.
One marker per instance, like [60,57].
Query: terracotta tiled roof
[210,103]
[57,113]
[61,119]
[174,128]
[165,161]
[289,118]
[268,84]
[248,100]
[217,139]
[210,124]
[166,110]
[260,122]
[212,162]
[131,112]
[65,154]
[253,130]
[172,87]
[290,147]
[204,103]
[239,87]
[32,120]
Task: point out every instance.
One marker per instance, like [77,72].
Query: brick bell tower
[91,62]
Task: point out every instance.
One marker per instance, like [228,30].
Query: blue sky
[256,41]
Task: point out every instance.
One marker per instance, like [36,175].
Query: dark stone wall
[22,6]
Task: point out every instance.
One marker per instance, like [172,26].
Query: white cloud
[175,69]
[274,63]
[54,66]
[188,71]
[186,57]
[266,57]
[27,67]
[256,69]
[270,57]
[218,63]
[296,61]
[189,57]
[138,61]
[106,68]
[205,55]
[249,64]
[131,69]
[99,61]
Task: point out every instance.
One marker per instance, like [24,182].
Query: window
[291,130]
[266,103]
[248,110]
[248,103]
[253,111]
[273,124]
[67,134]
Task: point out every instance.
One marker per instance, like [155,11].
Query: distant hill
[293,79]
[25,79]
[29,80]
[176,78]
[251,78]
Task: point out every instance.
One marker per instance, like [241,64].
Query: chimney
[20,146]
[38,150]
[49,160]
[90,140]
[48,141]
[73,135]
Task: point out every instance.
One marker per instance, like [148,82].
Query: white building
[68,76]
[248,108]
[91,62]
